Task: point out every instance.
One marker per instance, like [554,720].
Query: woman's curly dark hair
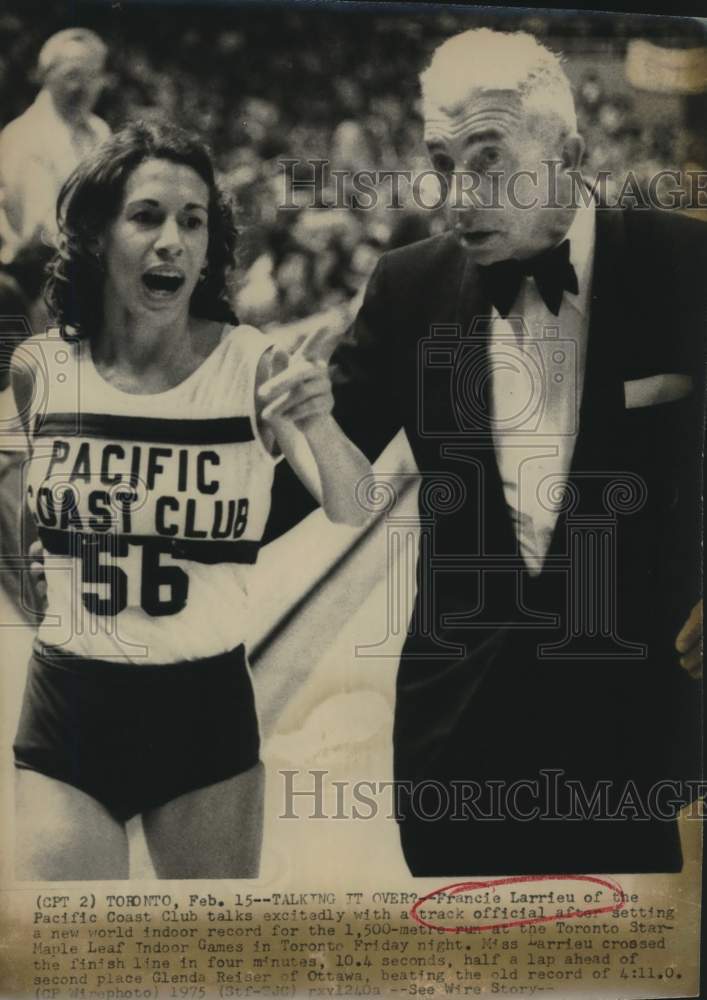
[90,200]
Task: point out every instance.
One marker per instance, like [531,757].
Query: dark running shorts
[133,737]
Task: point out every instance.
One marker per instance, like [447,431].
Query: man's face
[495,156]
[75,82]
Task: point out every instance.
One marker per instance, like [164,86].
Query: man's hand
[36,569]
[689,643]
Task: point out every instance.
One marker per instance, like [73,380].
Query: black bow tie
[551,269]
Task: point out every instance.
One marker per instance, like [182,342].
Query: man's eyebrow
[483,135]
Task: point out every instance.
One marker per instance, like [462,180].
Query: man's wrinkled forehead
[478,111]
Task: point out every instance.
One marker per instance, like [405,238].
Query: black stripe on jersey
[73,543]
[216,430]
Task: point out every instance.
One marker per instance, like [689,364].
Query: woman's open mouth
[163,283]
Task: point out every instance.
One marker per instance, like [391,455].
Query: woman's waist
[126,646]
[163,616]
[77,662]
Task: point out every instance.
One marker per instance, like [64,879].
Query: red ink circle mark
[457,888]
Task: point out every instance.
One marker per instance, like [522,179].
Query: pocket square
[656,389]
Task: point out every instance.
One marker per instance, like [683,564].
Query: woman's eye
[143,217]
[194,222]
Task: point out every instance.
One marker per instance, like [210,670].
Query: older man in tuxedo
[544,359]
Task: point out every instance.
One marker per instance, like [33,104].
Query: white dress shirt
[537,377]
[38,151]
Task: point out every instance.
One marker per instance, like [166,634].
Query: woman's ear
[95,247]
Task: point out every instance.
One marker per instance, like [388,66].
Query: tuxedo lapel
[602,401]
[472,316]
[472,307]
[472,401]
[609,322]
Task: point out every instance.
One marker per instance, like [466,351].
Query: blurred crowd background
[266,82]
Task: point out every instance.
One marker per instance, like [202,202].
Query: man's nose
[169,239]
[463,192]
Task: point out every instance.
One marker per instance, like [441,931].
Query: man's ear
[572,151]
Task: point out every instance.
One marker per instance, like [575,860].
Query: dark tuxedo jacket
[567,682]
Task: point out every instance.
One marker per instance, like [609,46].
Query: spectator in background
[40,149]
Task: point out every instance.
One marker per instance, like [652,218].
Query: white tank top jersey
[151,507]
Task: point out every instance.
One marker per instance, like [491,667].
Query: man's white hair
[481,60]
[66,44]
